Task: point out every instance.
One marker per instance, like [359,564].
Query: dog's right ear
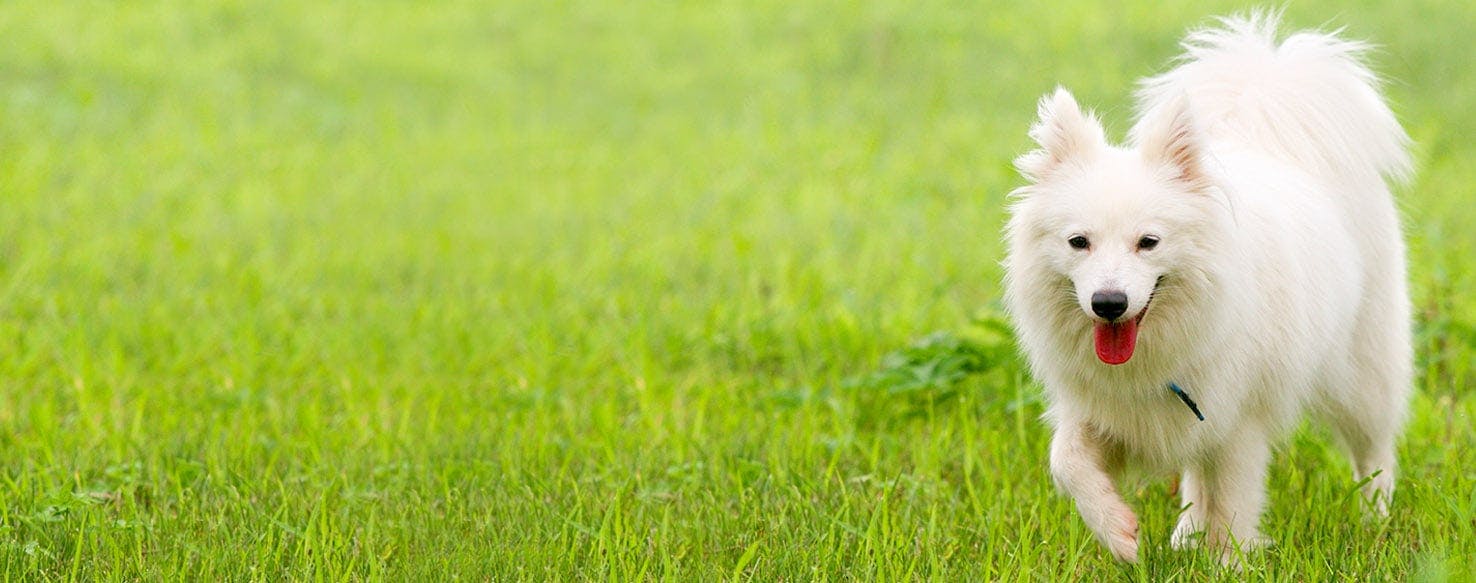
[1064,133]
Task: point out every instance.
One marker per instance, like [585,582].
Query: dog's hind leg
[1367,397]
[1367,427]
[1365,405]
[1377,465]
[1368,438]
[1191,517]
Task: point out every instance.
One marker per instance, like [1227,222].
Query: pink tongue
[1115,342]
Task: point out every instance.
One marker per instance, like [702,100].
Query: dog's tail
[1310,100]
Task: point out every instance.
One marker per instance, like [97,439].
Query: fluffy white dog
[1242,254]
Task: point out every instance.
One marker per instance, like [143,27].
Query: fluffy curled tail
[1309,100]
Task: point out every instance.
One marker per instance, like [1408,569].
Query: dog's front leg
[1233,492]
[1083,466]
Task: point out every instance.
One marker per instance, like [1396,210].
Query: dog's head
[1119,224]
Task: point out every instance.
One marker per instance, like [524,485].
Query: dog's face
[1115,223]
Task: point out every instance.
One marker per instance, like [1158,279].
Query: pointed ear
[1064,134]
[1169,138]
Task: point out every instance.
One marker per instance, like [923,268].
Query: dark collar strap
[1183,396]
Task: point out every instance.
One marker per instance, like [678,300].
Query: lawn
[606,290]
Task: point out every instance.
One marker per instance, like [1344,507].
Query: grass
[601,290]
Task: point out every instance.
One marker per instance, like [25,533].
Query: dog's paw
[1187,533]
[1376,503]
[1120,534]
[1233,552]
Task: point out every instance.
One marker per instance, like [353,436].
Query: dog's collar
[1183,396]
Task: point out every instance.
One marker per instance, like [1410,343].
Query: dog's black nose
[1109,304]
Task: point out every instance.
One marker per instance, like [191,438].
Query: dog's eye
[1147,242]
[1079,242]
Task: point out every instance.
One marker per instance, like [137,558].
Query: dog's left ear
[1168,137]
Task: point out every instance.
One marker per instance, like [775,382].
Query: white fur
[1280,277]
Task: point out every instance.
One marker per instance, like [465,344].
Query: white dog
[1242,254]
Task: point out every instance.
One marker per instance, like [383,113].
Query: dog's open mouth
[1116,341]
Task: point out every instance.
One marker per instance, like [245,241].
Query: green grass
[406,291]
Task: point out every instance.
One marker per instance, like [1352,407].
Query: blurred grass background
[403,290]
